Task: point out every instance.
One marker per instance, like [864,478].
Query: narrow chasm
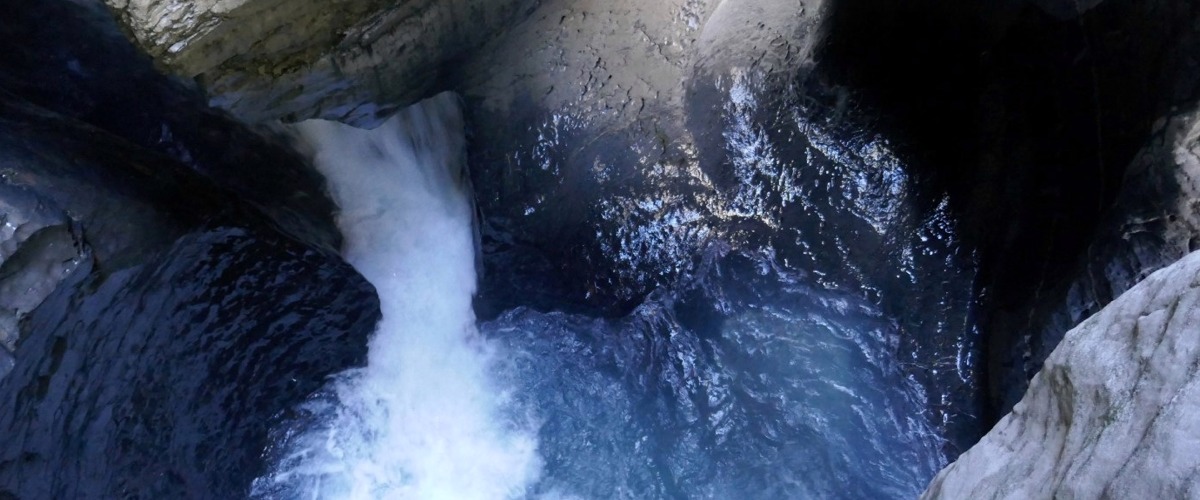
[1030,123]
[501,249]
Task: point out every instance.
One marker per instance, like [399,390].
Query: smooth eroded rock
[161,380]
[352,60]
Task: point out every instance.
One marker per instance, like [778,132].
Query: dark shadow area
[1026,121]
[162,381]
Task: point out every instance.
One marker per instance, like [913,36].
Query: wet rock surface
[146,369]
[662,135]
[1111,414]
[1028,122]
[1020,163]
[75,194]
[160,380]
[167,278]
[1032,125]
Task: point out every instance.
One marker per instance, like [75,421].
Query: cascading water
[746,381]
[423,419]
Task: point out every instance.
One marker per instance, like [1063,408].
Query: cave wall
[1113,159]
[604,167]
[176,335]
[645,143]
[592,116]
[81,67]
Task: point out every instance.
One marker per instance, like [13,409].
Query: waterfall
[425,418]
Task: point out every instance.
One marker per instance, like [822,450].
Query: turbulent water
[746,381]
[423,419]
[751,385]
[807,335]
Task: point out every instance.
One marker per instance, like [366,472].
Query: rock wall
[591,116]
[621,147]
[168,278]
[1133,161]
[1112,414]
[1154,222]
[352,60]
[617,147]
[602,162]
[83,69]
[170,161]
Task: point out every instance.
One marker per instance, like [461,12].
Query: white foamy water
[425,419]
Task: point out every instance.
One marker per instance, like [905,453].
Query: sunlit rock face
[1112,414]
[353,61]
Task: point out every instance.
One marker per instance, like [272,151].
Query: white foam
[424,419]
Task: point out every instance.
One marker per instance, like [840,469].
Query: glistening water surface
[745,381]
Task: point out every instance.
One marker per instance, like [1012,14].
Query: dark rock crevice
[1030,123]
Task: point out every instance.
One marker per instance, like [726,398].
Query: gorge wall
[1027,114]
[1022,164]
[164,271]
[1112,413]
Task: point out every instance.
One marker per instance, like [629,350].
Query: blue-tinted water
[746,380]
[789,394]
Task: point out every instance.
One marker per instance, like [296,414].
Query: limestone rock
[1111,414]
